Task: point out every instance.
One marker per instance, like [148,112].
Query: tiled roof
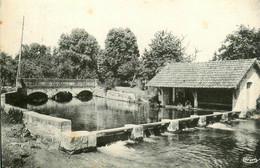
[214,74]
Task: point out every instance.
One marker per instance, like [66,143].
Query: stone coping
[49,119]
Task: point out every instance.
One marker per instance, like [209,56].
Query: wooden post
[19,62]
[195,96]
[173,94]
[165,96]
[235,95]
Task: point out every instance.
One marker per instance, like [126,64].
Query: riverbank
[19,149]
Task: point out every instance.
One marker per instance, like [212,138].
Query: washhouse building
[230,84]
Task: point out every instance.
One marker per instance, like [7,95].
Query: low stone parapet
[123,96]
[45,126]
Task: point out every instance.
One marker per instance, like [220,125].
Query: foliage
[79,56]
[78,51]
[251,113]
[244,43]
[258,102]
[8,69]
[164,48]
[13,116]
[36,61]
[119,61]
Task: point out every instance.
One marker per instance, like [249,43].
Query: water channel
[218,145]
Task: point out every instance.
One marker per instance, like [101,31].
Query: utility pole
[19,63]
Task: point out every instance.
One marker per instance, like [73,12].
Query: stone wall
[245,98]
[45,126]
[124,96]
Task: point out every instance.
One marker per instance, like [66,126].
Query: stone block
[137,132]
[174,126]
[242,115]
[202,121]
[224,117]
[74,142]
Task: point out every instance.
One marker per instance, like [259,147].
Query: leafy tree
[36,61]
[8,69]
[244,43]
[164,48]
[77,56]
[119,61]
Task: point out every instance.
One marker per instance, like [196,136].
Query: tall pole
[19,63]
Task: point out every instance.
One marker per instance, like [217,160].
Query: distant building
[231,84]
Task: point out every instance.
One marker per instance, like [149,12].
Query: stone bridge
[53,86]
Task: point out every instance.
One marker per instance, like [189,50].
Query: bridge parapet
[60,83]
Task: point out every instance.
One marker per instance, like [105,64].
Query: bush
[110,83]
[258,102]
[252,112]
[13,116]
[3,91]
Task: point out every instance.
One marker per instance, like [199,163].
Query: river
[218,145]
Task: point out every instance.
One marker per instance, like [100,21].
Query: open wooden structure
[229,84]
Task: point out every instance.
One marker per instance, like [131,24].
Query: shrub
[252,112]
[13,116]
[258,102]
[3,91]
[110,83]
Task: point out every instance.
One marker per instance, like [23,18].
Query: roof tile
[214,74]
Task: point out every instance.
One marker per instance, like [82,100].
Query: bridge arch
[37,98]
[53,86]
[62,96]
[85,95]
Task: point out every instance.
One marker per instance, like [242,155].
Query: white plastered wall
[241,102]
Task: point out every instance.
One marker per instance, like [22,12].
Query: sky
[204,24]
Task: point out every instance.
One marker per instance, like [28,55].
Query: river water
[218,145]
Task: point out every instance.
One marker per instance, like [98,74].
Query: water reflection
[37,98]
[62,97]
[219,145]
[100,113]
[85,96]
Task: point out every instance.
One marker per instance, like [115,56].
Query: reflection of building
[233,84]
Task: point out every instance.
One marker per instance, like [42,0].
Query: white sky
[204,23]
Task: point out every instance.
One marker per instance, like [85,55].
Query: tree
[119,60]
[36,61]
[77,55]
[244,43]
[164,48]
[8,69]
